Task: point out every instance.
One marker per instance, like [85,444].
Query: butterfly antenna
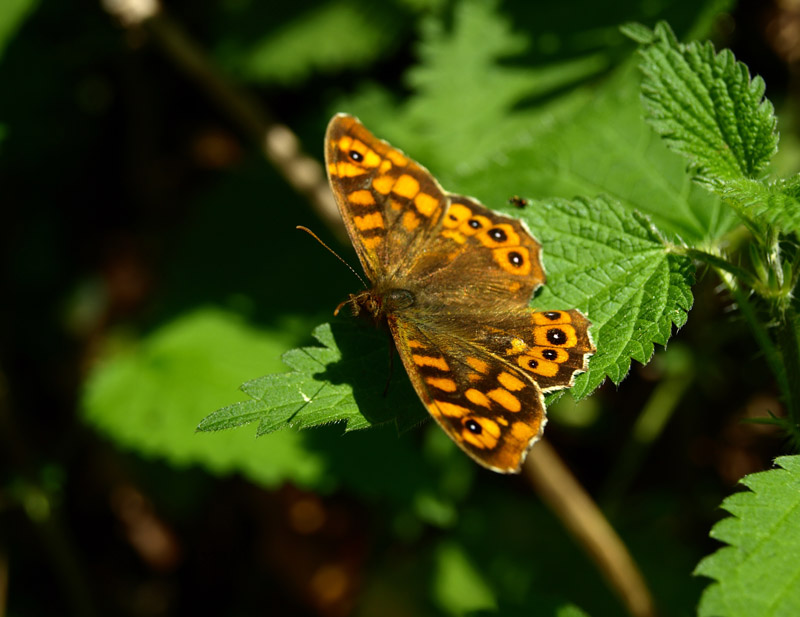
[334,253]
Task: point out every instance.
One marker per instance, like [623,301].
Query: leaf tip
[638,32]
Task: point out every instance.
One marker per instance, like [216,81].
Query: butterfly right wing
[484,385]
[490,410]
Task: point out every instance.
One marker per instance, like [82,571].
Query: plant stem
[788,345]
[771,352]
[563,494]
[720,263]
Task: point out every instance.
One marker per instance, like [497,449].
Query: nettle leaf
[342,380]
[550,129]
[706,107]
[774,202]
[150,398]
[758,572]
[616,267]
[450,123]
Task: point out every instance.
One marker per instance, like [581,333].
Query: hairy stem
[788,345]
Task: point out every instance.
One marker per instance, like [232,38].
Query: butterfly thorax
[380,302]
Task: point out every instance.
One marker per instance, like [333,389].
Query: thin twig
[583,519]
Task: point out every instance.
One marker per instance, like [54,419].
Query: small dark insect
[519,202]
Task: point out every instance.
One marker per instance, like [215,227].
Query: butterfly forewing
[389,203]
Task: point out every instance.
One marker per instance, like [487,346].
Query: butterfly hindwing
[490,409]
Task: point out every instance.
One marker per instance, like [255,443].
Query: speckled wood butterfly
[453,280]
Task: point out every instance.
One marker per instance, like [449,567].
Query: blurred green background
[150,265]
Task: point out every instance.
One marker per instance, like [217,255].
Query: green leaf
[706,107]
[758,572]
[449,123]
[150,398]
[454,69]
[13,14]
[342,380]
[616,267]
[331,36]
[774,202]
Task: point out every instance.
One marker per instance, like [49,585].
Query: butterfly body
[452,279]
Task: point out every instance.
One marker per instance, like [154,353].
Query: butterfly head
[378,303]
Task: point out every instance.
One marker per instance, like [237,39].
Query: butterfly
[453,279]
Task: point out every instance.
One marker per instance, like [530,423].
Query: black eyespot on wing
[550,354]
[515,259]
[475,224]
[497,234]
[356,156]
[473,427]
[552,315]
[556,336]
[533,363]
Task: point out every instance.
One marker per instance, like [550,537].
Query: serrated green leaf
[342,380]
[773,202]
[707,108]
[450,123]
[151,398]
[616,267]
[758,573]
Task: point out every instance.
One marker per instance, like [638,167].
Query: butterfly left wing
[390,204]
[484,383]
